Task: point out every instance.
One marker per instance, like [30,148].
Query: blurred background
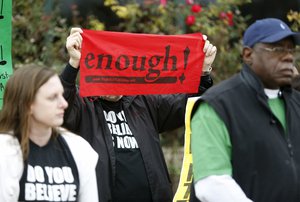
[40,28]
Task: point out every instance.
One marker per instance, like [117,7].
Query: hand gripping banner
[5,45]
[118,63]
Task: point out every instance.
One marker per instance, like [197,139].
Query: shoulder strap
[186,175]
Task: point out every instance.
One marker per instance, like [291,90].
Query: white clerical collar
[271,93]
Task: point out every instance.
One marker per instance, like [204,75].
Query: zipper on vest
[290,147]
[291,152]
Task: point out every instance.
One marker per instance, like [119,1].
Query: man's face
[273,63]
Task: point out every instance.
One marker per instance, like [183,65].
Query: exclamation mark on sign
[186,54]
[2,62]
[1,10]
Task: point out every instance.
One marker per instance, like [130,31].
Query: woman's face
[49,105]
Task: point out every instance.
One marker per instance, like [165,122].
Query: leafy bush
[294,18]
[38,36]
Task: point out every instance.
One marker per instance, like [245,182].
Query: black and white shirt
[131,180]
[50,173]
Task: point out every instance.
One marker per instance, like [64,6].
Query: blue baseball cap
[268,30]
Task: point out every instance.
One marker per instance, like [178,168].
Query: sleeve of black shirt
[205,83]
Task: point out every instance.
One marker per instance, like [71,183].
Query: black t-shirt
[50,173]
[131,180]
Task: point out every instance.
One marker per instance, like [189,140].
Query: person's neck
[40,135]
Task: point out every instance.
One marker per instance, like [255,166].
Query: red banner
[118,63]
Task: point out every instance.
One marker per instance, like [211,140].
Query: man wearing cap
[245,130]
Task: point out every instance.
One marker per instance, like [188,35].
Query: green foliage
[294,18]
[37,36]
[153,19]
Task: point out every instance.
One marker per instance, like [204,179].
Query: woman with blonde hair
[39,161]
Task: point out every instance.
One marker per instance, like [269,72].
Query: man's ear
[247,55]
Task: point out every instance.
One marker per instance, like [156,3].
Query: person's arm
[68,79]
[170,109]
[73,45]
[219,188]
[11,168]
[205,83]
[211,150]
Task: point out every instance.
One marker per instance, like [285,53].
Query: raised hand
[73,46]
[210,53]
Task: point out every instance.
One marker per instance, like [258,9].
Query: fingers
[210,53]
[209,49]
[73,45]
[204,37]
[74,40]
[75,29]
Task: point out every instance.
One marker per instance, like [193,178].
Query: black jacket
[265,158]
[147,116]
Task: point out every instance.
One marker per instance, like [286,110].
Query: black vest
[265,158]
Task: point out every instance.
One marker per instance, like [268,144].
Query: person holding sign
[245,131]
[40,161]
[124,130]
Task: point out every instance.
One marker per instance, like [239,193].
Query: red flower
[163,2]
[230,18]
[190,20]
[222,15]
[196,8]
